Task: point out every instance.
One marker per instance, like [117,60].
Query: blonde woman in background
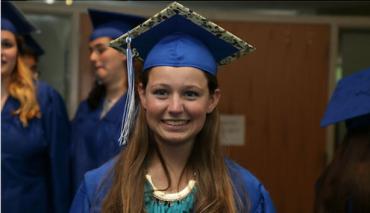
[34,130]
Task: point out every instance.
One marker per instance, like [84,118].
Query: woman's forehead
[177,75]
[104,41]
[5,34]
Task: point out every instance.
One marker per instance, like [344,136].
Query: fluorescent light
[49,1]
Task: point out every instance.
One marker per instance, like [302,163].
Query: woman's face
[108,63]
[176,101]
[9,52]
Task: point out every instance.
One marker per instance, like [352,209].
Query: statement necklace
[170,197]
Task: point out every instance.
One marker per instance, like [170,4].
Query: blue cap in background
[111,24]
[31,46]
[14,21]
[350,101]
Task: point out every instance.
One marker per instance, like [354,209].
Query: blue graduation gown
[94,139]
[96,184]
[34,159]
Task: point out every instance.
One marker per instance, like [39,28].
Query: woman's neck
[175,157]
[115,90]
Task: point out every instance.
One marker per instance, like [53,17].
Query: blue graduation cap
[110,24]
[350,101]
[179,37]
[14,21]
[31,46]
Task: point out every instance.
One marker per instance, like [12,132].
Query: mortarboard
[350,101]
[111,24]
[14,21]
[31,46]
[179,37]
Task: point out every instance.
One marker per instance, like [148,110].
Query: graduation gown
[34,159]
[96,184]
[94,139]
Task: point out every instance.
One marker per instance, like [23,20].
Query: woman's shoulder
[44,88]
[47,94]
[83,108]
[245,182]
[97,175]
[94,187]
[241,172]
[98,180]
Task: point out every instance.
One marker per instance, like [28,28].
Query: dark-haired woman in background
[344,186]
[97,123]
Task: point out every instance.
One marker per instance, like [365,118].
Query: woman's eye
[7,44]
[101,50]
[98,50]
[191,94]
[160,93]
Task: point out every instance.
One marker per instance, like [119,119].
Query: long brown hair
[345,185]
[21,87]
[215,190]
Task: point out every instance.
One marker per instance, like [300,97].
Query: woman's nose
[175,104]
[93,56]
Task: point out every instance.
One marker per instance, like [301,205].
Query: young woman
[173,160]
[34,130]
[344,186]
[97,123]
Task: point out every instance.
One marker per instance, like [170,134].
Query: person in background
[34,129]
[31,53]
[173,160]
[97,122]
[344,186]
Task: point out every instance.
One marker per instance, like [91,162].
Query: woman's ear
[214,98]
[141,91]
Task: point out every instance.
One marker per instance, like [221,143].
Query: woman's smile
[176,100]
[176,124]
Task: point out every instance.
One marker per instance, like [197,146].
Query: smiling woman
[173,160]
[177,100]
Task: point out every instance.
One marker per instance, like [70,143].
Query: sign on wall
[232,129]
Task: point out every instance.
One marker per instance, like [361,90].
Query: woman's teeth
[176,122]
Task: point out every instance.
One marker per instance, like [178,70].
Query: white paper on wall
[232,129]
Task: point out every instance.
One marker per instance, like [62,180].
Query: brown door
[281,89]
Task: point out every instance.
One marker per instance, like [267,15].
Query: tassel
[130,111]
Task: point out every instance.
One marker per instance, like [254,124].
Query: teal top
[153,204]
[97,183]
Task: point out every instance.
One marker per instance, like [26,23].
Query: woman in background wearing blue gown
[344,186]
[173,160]
[34,130]
[97,122]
